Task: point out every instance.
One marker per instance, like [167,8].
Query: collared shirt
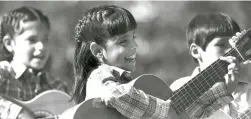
[19,82]
[211,101]
[115,88]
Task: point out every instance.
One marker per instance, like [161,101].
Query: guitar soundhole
[43,114]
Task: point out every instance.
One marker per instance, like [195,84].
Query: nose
[39,46]
[134,44]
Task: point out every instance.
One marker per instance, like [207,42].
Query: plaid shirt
[115,88]
[209,102]
[242,100]
[25,86]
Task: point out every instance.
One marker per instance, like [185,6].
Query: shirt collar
[117,69]
[18,68]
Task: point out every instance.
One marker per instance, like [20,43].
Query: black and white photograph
[125,59]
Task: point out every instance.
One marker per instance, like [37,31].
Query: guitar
[222,115]
[181,98]
[47,105]
[219,115]
[95,109]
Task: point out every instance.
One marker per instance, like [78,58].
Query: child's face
[216,48]
[120,51]
[31,47]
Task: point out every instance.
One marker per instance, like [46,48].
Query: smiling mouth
[39,57]
[131,58]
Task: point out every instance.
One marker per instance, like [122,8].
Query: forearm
[126,98]
[200,110]
[8,109]
[210,102]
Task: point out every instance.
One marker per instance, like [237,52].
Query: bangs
[222,29]
[32,14]
[119,22]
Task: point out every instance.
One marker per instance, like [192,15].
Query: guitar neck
[191,91]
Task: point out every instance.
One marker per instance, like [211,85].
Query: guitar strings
[187,85]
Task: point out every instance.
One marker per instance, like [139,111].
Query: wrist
[228,89]
[10,110]
[15,110]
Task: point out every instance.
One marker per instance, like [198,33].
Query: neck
[203,65]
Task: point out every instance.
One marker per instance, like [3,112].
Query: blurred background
[161,32]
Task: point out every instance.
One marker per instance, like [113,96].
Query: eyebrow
[122,37]
[31,36]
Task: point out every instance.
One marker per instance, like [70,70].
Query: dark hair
[203,28]
[97,25]
[10,24]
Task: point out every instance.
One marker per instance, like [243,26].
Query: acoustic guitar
[222,115]
[47,105]
[181,98]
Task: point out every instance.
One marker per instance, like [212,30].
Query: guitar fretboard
[193,89]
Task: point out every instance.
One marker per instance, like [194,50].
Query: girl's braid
[84,61]
[93,18]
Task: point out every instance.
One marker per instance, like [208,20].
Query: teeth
[131,57]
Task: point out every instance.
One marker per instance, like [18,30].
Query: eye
[123,41]
[220,44]
[223,45]
[32,40]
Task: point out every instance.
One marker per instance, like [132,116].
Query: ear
[8,43]
[195,51]
[96,50]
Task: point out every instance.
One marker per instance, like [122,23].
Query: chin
[131,68]
[38,66]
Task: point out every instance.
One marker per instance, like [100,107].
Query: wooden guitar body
[48,104]
[221,115]
[95,109]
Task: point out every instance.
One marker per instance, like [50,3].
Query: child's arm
[11,109]
[220,94]
[133,103]
[211,101]
[8,109]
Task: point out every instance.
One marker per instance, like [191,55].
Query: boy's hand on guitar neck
[232,77]
[232,43]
